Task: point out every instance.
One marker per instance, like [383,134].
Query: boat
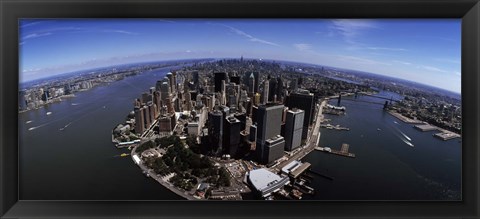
[48,113]
[378,129]
[29,121]
[124,155]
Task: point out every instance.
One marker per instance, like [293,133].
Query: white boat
[29,121]
[48,113]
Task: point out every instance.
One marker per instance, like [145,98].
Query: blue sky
[426,51]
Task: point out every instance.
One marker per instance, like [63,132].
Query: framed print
[239,109]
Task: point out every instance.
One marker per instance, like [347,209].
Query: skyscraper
[266,89]
[232,136]
[269,120]
[304,100]
[219,77]
[251,85]
[215,130]
[293,128]
[139,124]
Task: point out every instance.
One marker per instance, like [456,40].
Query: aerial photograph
[240,109]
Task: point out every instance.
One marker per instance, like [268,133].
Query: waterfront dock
[335,127]
[405,119]
[342,152]
[425,127]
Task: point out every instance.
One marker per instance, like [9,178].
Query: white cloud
[431,68]
[386,48]
[248,36]
[350,29]
[360,60]
[120,31]
[36,35]
[402,62]
[302,46]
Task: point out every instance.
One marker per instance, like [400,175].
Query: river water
[80,162]
[386,167]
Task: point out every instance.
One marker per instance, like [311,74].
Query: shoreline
[443,134]
[165,184]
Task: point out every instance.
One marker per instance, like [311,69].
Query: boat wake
[61,129]
[29,121]
[395,122]
[406,136]
[75,104]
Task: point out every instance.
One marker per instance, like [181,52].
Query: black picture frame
[12,10]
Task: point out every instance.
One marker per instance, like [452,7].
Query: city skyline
[425,51]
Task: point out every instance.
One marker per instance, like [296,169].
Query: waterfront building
[146,117]
[170,81]
[294,128]
[273,149]
[151,112]
[269,120]
[139,125]
[304,100]
[165,91]
[265,182]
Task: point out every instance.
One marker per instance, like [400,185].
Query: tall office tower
[304,100]
[195,79]
[137,103]
[146,117]
[273,149]
[266,88]
[280,90]
[146,97]
[215,130]
[139,125]
[156,111]
[170,108]
[294,84]
[253,133]
[151,111]
[235,79]
[232,96]
[231,136]
[256,99]
[219,77]
[269,121]
[293,128]
[251,85]
[165,123]
[272,85]
[158,85]
[170,81]
[174,78]
[157,100]
[257,81]
[188,101]
[165,92]
[223,91]
[177,104]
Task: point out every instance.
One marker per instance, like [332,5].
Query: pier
[342,152]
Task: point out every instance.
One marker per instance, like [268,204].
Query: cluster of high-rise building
[248,114]
[231,114]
